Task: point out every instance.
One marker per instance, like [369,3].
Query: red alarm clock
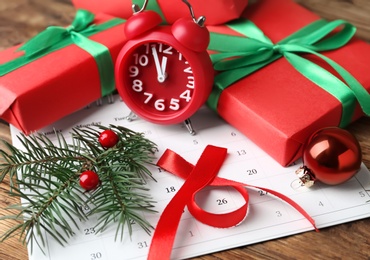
[164,73]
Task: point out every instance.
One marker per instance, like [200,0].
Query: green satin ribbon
[55,38]
[237,57]
[152,5]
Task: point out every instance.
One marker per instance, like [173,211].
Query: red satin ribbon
[196,178]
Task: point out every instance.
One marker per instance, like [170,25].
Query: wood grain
[22,19]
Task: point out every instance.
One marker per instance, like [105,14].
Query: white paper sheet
[268,217]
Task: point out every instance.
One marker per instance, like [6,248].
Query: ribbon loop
[199,176]
[222,220]
[82,20]
[42,41]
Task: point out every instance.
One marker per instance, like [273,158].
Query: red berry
[89,180]
[108,138]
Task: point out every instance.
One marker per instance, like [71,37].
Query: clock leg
[188,125]
[100,101]
[132,116]
[110,98]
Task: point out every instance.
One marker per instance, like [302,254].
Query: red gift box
[216,12]
[277,106]
[47,84]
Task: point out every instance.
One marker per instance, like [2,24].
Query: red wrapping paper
[277,107]
[55,85]
[216,12]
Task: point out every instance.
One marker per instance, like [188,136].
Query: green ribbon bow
[238,57]
[55,38]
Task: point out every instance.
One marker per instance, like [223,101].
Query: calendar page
[268,216]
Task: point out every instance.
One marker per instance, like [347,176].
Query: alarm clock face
[159,83]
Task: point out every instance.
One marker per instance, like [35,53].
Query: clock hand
[160,75]
[163,67]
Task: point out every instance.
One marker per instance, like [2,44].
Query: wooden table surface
[21,19]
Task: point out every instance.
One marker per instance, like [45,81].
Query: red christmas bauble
[89,180]
[108,138]
[331,156]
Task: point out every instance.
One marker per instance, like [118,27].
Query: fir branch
[122,193]
[46,177]
[43,207]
